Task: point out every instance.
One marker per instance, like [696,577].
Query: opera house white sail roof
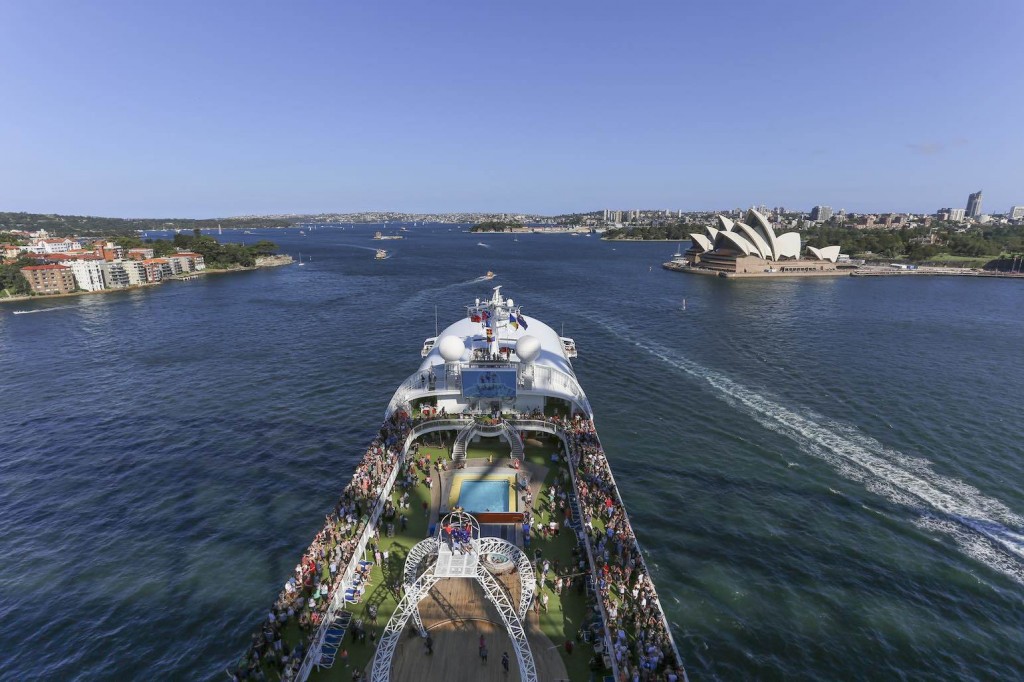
[755,237]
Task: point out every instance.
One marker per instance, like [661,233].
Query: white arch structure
[829,253]
[754,236]
[418,585]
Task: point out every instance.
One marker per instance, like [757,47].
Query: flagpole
[435,320]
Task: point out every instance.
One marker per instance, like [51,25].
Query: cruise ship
[482,536]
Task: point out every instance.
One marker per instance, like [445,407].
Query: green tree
[11,278]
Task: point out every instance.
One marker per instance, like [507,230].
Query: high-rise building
[821,213]
[1016,212]
[974,205]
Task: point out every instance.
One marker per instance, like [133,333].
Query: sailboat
[300,258]
[679,251]
[220,230]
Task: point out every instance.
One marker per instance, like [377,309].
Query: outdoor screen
[492,384]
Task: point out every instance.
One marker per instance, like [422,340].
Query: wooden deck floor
[456,613]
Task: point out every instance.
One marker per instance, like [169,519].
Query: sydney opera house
[752,248]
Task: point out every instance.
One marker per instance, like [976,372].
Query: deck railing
[312,655]
[558,430]
[338,600]
[530,378]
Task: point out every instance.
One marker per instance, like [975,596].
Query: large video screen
[489,384]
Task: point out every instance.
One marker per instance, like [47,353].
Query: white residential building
[136,272]
[57,245]
[88,273]
[115,276]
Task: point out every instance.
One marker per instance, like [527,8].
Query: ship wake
[983,527]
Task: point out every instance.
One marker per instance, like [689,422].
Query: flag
[485,315]
[512,321]
[522,322]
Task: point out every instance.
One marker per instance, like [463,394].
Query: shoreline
[753,275]
[845,272]
[183,277]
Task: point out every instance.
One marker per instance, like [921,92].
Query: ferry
[381,254]
[482,536]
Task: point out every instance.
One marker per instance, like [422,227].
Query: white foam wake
[42,310]
[984,528]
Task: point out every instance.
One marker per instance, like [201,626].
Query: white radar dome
[451,348]
[528,348]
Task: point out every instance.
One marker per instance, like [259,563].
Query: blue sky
[191,109]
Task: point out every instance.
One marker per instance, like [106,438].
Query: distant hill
[66,225]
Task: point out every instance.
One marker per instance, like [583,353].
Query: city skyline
[241,109]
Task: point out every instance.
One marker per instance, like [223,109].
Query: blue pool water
[480,496]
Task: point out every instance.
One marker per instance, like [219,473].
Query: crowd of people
[307,594]
[635,623]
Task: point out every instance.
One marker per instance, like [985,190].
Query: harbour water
[825,473]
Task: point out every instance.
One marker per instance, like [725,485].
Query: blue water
[484,496]
[826,474]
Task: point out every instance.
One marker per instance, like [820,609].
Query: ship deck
[456,612]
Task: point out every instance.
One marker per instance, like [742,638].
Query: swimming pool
[484,496]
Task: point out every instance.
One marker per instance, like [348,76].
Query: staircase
[515,439]
[461,443]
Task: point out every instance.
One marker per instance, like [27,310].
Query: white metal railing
[551,427]
[338,601]
[530,378]
[312,656]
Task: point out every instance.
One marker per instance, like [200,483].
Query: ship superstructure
[485,519]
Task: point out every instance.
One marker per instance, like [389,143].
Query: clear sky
[217,108]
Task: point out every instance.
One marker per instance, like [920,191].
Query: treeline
[215,254]
[670,231]
[67,225]
[495,226]
[916,243]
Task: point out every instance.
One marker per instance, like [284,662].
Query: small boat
[381,254]
[489,275]
[481,244]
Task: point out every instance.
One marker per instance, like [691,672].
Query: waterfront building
[155,269]
[49,279]
[135,271]
[88,273]
[115,275]
[974,204]
[752,247]
[193,261]
[821,213]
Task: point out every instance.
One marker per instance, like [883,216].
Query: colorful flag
[522,322]
[512,321]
